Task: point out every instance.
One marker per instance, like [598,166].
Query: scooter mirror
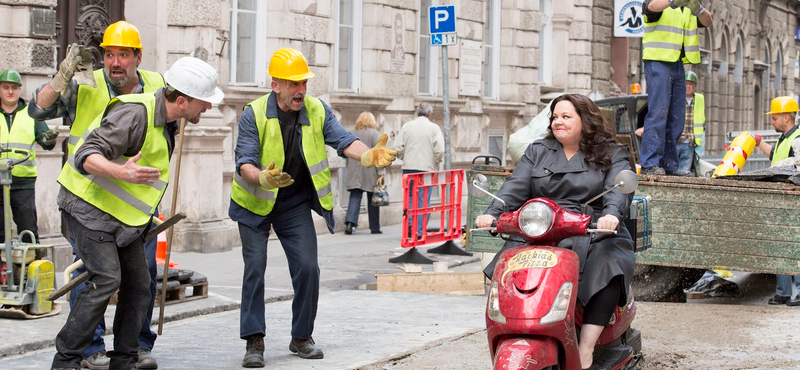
[478,185]
[626,181]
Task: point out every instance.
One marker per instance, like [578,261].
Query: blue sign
[442,19]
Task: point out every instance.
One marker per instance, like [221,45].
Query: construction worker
[80,105]
[670,40]
[281,175]
[692,136]
[20,131]
[783,111]
[109,191]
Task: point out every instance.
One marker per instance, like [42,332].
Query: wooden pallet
[179,294]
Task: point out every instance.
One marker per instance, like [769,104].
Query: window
[738,71]
[491,63]
[348,49]
[546,42]
[428,55]
[778,71]
[248,45]
[497,144]
[765,74]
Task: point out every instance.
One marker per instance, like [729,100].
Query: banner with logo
[628,18]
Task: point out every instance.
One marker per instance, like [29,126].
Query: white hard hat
[195,78]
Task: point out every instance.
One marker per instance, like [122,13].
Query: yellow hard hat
[122,34]
[783,104]
[289,64]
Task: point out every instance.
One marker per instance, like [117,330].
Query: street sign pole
[446,104]
[443,32]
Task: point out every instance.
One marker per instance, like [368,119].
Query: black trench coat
[544,171]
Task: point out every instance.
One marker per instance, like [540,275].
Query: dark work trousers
[146,336]
[111,268]
[23,211]
[666,113]
[421,199]
[295,230]
[354,207]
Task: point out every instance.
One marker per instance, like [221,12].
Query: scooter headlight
[535,219]
[560,305]
[493,305]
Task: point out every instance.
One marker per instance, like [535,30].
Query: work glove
[76,60]
[273,178]
[84,74]
[379,156]
[693,5]
[758,139]
[51,136]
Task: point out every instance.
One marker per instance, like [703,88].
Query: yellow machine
[25,278]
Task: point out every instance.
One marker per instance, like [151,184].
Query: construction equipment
[26,277]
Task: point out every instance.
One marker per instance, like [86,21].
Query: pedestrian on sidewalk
[20,131]
[670,40]
[362,179]
[63,97]
[281,175]
[109,192]
[420,145]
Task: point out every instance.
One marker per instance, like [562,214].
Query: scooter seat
[611,358]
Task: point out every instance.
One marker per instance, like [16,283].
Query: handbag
[380,197]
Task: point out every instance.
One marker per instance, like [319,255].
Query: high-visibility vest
[259,200]
[782,148]
[131,204]
[92,101]
[699,118]
[22,136]
[664,39]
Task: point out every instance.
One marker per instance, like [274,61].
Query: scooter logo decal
[534,258]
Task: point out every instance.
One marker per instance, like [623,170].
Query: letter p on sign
[442,19]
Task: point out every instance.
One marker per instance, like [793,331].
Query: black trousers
[23,211]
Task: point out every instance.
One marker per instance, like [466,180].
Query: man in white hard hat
[118,175]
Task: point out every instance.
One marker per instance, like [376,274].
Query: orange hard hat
[783,104]
[122,34]
[289,64]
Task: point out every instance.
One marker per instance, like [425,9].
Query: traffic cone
[161,247]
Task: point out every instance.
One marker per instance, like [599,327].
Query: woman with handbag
[361,179]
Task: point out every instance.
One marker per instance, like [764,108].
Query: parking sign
[442,19]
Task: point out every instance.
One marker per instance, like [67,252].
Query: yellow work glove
[379,156]
[67,68]
[272,178]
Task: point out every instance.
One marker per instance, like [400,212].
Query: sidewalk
[354,327]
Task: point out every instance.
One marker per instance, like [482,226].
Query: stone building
[510,59]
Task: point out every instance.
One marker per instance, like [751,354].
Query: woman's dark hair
[597,141]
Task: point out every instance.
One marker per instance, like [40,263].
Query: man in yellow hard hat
[108,194]
[783,111]
[20,131]
[281,175]
[670,40]
[80,104]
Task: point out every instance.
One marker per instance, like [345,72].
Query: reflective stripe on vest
[131,204]
[22,136]
[664,39]
[92,102]
[781,151]
[699,118]
[259,200]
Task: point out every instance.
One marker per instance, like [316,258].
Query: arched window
[722,56]
[778,70]
[765,74]
[738,71]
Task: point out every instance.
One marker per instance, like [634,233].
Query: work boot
[653,171]
[97,361]
[778,299]
[794,302]
[146,360]
[255,352]
[349,228]
[305,348]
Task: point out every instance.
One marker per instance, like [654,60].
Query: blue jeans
[421,198]
[147,337]
[685,156]
[785,285]
[354,207]
[292,227]
[666,114]
[112,267]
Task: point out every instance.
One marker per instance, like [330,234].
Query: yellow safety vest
[699,118]
[131,204]
[664,39]
[22,136]
[92,101]
[781,151]
[259,200]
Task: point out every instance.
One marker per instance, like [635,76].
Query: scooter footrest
[611,358]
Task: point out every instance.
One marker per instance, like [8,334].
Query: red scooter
[532,321]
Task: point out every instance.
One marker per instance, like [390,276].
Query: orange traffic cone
[161,247]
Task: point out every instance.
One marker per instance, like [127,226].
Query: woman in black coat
[576,161]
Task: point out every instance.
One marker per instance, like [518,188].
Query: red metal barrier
[449,183]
